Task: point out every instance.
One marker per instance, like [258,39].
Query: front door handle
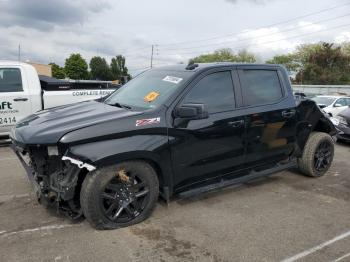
[238,123]
[20,99]
[288,113]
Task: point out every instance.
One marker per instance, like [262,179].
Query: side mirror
[192,111]
[338,105]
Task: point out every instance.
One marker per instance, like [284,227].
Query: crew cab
[22,94]
[175,131]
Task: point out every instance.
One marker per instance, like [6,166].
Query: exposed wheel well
[84,172]
[322,126]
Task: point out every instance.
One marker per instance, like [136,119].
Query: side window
[215,91]
[260,87]
[10,80]
[348,101]
[341,102]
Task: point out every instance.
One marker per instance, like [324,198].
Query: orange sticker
[150,97]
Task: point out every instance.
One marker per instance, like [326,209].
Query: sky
[50,30]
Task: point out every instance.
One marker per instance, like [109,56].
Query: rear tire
[317,155]
[110,201]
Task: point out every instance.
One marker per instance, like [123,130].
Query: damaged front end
[56,179]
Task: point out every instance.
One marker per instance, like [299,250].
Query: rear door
[14,97]
[270,114]
[207,148]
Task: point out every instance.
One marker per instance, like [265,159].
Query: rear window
[260,87]
[10,80]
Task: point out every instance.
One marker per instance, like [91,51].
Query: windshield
[148,90]
[324,100]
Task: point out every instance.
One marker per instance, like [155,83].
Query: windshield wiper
[121,106]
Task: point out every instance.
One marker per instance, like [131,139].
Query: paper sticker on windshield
[172,79]
[151,96]
[149,121]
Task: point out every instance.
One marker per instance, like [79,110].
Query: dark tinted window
[261,87]
[215,91]
[10,80]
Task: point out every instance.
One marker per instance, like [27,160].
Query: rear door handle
[20,99]
[288,113]
[238,123]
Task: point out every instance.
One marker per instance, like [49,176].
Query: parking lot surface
[283,217]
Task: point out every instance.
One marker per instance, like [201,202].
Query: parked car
[172,131]
[342,123]
[22,93]
[332,105]
[303,95]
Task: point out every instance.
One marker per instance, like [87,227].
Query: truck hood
[48,126]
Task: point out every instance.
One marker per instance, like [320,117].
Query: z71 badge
[149,121]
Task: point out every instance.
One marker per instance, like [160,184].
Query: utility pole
[19,52]
[152,56]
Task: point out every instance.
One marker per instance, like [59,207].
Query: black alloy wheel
[323,156]
[317,155]
[122,201]
[119,195]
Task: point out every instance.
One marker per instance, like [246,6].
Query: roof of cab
[13,63]
[201,66]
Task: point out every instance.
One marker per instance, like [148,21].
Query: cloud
[252,1]
[45,15]
[51,30]
[343,37]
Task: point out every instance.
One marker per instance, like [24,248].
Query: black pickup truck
[172,131]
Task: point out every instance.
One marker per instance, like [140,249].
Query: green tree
[290,61]
[225,55]
[244,56]
[57,71]
[345,47]
[76,67]
[99,69]
[325,63]
[118,68]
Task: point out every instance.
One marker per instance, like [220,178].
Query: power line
[134,52]
[287,38]
[249,38]
[129,54]
[269,25]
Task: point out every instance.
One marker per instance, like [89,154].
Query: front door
[14,99]
[207,148]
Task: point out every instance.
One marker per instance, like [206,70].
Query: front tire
[120,195]
[317,155]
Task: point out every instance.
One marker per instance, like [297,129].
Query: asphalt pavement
[283,217]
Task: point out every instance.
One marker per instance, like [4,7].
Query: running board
[237,181]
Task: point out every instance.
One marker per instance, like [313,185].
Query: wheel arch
[151,149]
[305,129]
[164,173]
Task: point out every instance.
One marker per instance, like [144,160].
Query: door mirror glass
[192,111]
